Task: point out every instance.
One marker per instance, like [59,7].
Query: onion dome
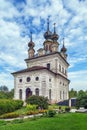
[63,49]
[31,43]
[54,35]
[48,33]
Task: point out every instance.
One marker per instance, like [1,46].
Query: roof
[37,68]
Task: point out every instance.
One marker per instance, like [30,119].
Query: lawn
[74,121]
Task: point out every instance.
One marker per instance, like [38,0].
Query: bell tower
[48,41]
[63,51]
[31,50]
[55,37]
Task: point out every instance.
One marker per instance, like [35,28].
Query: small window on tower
[48,66]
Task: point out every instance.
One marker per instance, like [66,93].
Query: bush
[67,109]
[9,115]
[40,101]
[51,113]
[31,107]
[7,105]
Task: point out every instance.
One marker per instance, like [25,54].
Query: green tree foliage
[6,95]
[82,99]
[4,88]
[40,101]
[72,93]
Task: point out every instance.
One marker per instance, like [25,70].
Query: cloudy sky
[19,17]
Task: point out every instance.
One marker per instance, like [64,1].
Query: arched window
[49,94]
[37,91]
[20,80]
[28,79]
[20,94]
[37,78]
[48,66]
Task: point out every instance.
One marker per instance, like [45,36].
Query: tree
[4,88]
[72,93]
[82,101]
[40,101]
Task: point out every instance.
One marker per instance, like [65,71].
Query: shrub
[67,109]
[31,107]
[40,101]
[9,115]
[51,113]
[7,105]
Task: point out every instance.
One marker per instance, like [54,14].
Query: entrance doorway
[28,93]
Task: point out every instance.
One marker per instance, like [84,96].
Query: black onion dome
[55,36]
[63,49]
[31,44]
[48,35]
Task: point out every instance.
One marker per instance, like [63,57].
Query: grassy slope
[61,122]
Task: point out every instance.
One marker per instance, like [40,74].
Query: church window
[20,94]
[28,79]
[65,72]
[59,67]
[37,78]
[48,65]
[20,80]
[37,91]
[63,94]
[49,80]
[62,70]
[60,95]
[46,47]
[49,94]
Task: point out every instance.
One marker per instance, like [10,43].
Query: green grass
[75,121]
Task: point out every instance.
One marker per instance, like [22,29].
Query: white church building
[46,73]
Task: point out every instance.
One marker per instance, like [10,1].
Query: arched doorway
[28,93]
[20,94]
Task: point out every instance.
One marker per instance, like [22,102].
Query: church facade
[46,73]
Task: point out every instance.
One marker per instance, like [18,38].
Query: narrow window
[60,68]
[49,94]
[63,94]
[20,80]
[48,66]
[60,95]
[37,91]
[20,94]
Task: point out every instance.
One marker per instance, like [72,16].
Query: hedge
[7,105]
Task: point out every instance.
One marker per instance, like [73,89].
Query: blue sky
[19,17]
